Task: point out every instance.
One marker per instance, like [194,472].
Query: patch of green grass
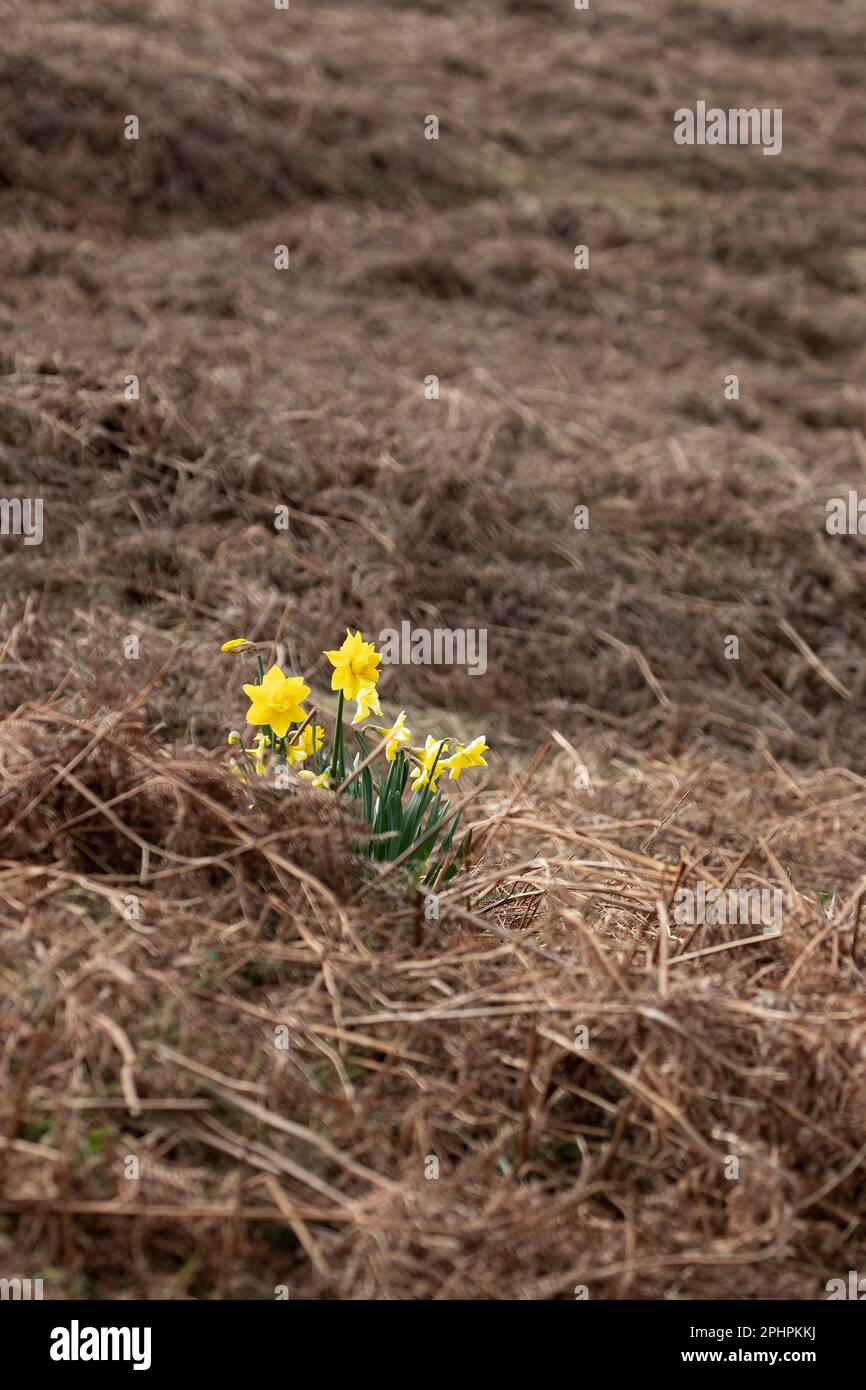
[94,1141]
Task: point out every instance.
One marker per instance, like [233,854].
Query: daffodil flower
[234,738]
[277,701]
[236,644]
[355,665]
[426,757]
[368,703]
[397,735]
[261,744]
[315,779]
[468,756]
[301,750]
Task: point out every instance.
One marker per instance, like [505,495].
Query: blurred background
[454,257]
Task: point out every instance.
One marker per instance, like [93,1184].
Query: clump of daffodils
[289,744]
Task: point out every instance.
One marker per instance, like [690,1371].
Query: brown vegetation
[154,1036]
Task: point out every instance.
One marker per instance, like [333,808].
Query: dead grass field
[560,1166]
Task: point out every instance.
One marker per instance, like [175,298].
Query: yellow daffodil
[315,779]
[427,756]
[234,737]
[277,701]
[237,644]
[397,735]
[468,756]
[354,665]
[261,744]
[303,748]
[368,703]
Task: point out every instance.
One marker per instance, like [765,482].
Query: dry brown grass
[410,1037]
[559,1164]
[409,257]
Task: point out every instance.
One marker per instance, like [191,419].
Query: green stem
[266,728]
[337,759]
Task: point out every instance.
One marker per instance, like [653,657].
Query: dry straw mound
[291,1052]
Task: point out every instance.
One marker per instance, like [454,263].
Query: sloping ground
[411,257]
[414,1039]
